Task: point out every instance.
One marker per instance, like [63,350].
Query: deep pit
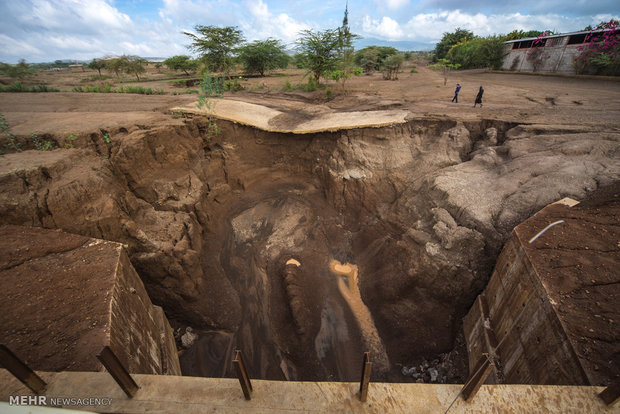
[305,250]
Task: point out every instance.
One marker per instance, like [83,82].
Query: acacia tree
[320,51]
[216,45]
[181,62]
[445,66]
[263,55]
[135,66]
[116,65]
[97,64]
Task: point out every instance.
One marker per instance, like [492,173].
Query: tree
[263,55]
[20,70]
[217,46]
[320,51]
[391,66]
[445,66]
[181,62]
[377,54]
[450,39]
[135,65]
[520,34]
[97,64]
[479,52]
[116,65]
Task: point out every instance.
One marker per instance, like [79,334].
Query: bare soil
[422,207]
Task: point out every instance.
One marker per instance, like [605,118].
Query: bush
[478,52]
[233,85]
[391,66]
[19,87]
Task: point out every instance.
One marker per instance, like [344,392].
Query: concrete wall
[557,57]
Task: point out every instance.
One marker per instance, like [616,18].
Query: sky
[46,30]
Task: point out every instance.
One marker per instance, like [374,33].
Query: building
[553,53]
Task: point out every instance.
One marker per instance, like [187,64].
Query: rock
[188,338]
[433,373]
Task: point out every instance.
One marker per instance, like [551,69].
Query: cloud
[260,23]
[386,28]
[430,27]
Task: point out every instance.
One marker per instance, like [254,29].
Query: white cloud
[386,28]
[261,23]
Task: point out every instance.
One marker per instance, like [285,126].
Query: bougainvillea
[535,54]
[600,55]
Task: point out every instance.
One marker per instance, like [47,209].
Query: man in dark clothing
[456,93]
[479,97]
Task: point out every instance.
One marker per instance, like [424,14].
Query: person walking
[479,97]
[456,93]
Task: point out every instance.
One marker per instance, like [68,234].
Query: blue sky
[45,30]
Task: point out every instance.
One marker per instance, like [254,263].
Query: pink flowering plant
[600,55]
[535,54]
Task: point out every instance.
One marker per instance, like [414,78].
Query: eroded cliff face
[422,209]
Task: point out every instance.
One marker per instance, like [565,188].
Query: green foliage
[328,94]
[20,71]
[450,39]
[407,55]
[210,87]
[135,66]
[478,52]
[601,55]
[107,138]
[181,62]
[320,51]
[19,87]
[116,65]
[216,45]
[233,85]
[107,88]
[299,60]
[262,56]
[287,86]
[97,64]
[41,146]
[445,66]
[414,70]
[371,58]
[6,130]
[520,34]
[391,65]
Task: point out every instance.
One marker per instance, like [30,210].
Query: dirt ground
[555,100]
[424,206]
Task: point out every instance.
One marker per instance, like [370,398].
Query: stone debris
[188,338]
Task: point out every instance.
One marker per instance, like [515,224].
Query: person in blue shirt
[456,93]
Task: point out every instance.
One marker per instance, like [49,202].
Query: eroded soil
[422,208]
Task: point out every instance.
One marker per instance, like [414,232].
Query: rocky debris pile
[434,371]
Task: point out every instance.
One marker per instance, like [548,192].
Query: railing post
[242,374]
[366,367]
[21,371]
[478,377]
[116,369]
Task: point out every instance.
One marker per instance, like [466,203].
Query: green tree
[479,52]
[445,66]
[450,39]
[20,70]
[262,56]
[391,65]
[97,64]
[216,45]
[181,62]
[520,34]
[320,51]
[116,65]
[135,66]
[377,54]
